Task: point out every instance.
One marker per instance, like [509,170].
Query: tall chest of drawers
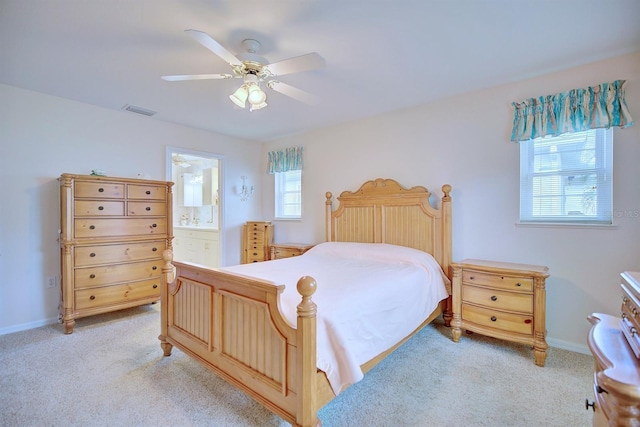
[258,237]
[502,300]
[112,235]
[615,346]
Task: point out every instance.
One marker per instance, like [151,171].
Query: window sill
[288,219]
[565,225]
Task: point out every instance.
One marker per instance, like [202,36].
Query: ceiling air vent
[139,110]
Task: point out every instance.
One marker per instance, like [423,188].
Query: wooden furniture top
[502,267]
[621,369]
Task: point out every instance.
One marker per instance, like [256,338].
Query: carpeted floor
[111,372]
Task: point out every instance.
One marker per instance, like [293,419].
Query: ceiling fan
[254,70]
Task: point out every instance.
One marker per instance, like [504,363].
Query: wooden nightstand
[502,300]
[288,250]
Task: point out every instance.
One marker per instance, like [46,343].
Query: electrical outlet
[51,282]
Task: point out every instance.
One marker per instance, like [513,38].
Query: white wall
[464,141]
[43,136]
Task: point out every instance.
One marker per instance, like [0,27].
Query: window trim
[278,197]
[603,168]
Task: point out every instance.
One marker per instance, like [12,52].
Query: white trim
[565,225]
[27,326]
[567,345]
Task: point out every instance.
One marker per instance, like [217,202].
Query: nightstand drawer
[511,283]
[508,322]
[512,301]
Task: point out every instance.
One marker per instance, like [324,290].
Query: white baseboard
[30,325]
[567,345]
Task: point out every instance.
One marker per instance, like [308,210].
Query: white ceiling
[381,55]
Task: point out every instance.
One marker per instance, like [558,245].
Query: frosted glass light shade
[256,95]
[239,97]
[257,106]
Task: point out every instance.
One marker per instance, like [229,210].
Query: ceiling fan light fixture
[239,97]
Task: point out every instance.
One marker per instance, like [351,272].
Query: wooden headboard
[382,211]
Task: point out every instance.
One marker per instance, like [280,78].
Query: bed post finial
[327,216]
[446,189]
[307,287]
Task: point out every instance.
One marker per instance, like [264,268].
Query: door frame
[169,151]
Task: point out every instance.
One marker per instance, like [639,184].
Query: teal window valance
[577,110]
[289,159]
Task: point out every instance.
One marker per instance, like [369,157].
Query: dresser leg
[68,326]
[540,355]
[456,331]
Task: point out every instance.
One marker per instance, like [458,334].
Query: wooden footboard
[232,324]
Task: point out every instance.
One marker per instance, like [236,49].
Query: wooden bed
[233,325]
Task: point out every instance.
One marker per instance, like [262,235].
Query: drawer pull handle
[471,277]
[634,311]
[518,284]
[100,208]
[92,276]
[624,299]
[494,318]
[587,405]
[92,297]
[623,315]
[155,286]
[154,268]
[255,253]
[154,225]
[154,249]
[92,227]
[494,298]
[92,254]
[600,390]
[147,192]
[633,331]
[100,190]
[147,208]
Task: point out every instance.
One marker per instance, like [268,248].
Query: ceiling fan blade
[293,92]
[207,41]
[310,61]
[196,77]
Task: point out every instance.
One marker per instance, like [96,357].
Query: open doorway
[197,210]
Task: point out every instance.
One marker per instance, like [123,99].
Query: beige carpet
[111,372]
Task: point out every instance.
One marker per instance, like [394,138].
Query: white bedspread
[369,297]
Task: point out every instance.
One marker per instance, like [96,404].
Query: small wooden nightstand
[502,300]
[288,250]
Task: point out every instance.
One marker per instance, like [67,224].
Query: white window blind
[288,194]
[567,178]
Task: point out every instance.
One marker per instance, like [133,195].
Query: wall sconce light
[245,191]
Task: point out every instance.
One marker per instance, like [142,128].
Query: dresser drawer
[480,278]
[490,298]
[87,277]
[117,294]
[92,228]
[99,208]
[508,322]
[288,252]
[99,190]
[108,254]
[146,192]
[146,208]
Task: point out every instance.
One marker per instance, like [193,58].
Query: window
[288,194]
[567,178]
